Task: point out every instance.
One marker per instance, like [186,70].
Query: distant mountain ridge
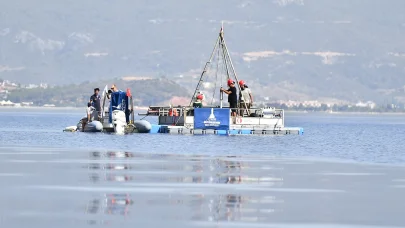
[284,49]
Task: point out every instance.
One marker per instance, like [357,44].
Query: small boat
[117,117]
[216,118]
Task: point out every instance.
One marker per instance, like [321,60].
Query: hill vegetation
[145,92]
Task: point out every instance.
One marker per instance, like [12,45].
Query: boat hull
[142,126]
[139,126]
[93,126]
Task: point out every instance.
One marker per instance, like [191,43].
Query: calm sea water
[365,138]
[345,171]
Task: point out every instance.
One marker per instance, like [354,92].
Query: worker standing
[232,96]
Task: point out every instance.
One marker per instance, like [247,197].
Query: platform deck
[234,130]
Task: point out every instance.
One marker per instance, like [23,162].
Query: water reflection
[110,154]
[170,174]
[233,207]
[117,204]
[112,204]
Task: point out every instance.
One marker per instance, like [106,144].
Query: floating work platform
[181,130]
[199,117]
[217,121]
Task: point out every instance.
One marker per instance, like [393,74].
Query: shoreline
[59,108]
[351,113]
[146,108]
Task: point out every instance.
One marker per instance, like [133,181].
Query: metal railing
[189,111]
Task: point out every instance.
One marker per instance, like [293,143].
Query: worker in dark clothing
[95,100]
[232,96]
[198,102]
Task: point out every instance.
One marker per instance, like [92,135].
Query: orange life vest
[173,112]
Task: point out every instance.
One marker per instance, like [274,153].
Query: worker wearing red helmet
[245,98]
[198,102]
[232,96]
